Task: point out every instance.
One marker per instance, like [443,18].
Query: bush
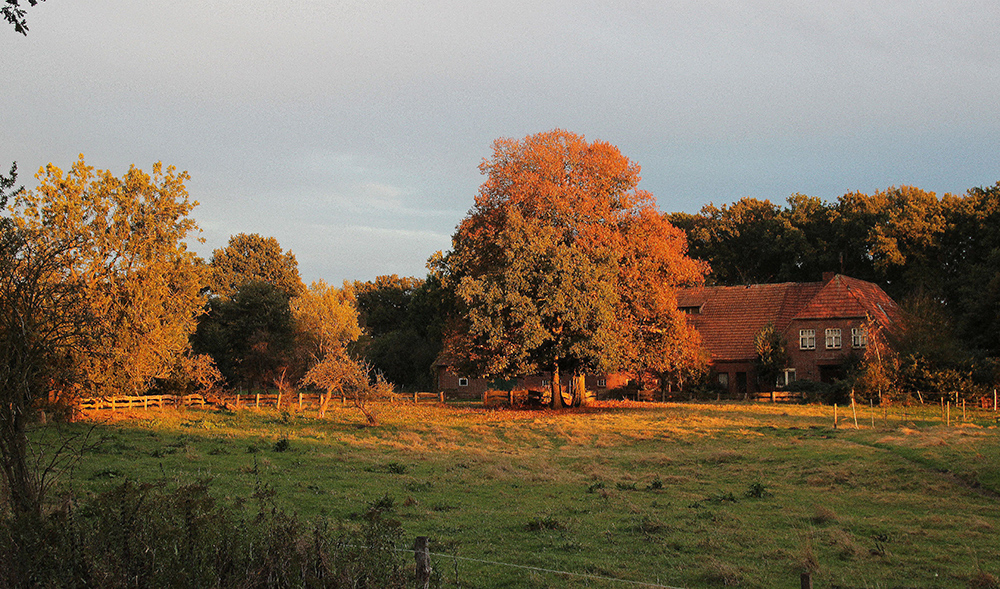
[144,535]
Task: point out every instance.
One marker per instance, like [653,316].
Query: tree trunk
[580,389]
[557,400]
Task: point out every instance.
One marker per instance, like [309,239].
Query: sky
[352,131]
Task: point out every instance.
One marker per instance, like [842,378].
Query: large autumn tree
[564,265]
[141,282]
[98,294]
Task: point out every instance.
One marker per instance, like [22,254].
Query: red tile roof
[729,317]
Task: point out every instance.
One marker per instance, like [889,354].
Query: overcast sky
[352,130]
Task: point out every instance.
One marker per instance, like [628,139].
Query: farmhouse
[823,323]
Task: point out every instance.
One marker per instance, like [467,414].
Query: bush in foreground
[142,535]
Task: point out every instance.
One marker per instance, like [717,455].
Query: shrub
[145,535]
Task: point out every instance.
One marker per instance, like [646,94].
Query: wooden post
[300,400]
[486,398]
[257,404]
[994,400]
[805,581]
[415,397]
[854,410]
[834,416]
[949,413]
[145,402]
[277,405]
[963,409]
[441,396]
[871,402]
[510,397]
[422,554]
[237,400]
[772,395]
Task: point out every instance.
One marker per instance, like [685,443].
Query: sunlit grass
[680,494]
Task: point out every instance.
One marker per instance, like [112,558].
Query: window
[859,337]
[463,382]
[545,382]
[833,339]
[724,380]
[690,310]
[807,339]
[786,377]
[602,383]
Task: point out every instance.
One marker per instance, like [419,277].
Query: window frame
[463,381]
[859,338]
[807,339]
[834,338]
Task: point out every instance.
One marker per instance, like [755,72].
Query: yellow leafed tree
[141,282]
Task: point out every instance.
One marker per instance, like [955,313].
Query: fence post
[257,404]
[441,396]
[486,398]
[415,397]
[300,400]
[422,554]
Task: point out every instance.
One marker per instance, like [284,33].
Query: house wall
[819,363]
[449,383]
[736,385]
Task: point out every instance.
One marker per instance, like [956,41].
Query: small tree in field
[338,372]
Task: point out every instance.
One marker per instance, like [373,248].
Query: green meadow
[615,495]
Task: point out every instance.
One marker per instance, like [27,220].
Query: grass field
[679,495]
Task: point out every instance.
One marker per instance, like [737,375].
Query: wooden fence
[141,402]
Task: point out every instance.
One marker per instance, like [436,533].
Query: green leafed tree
[403,320]
[562,264]
[772,355]
[251,335]
[250,257]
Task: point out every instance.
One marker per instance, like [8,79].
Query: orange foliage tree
[563,264]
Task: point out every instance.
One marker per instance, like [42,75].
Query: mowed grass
[680,495]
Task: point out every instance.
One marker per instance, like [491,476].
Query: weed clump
[548,522]
[282,445]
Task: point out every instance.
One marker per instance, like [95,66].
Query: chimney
[828,276]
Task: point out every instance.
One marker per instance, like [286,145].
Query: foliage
[14,14]
[877,377]
[908,241]
[146,535]
[563,264]
[772,355]
[140,281]
[250,258]
[250,336]
[97,293]
[325,318]
[354,380]
[403,323]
